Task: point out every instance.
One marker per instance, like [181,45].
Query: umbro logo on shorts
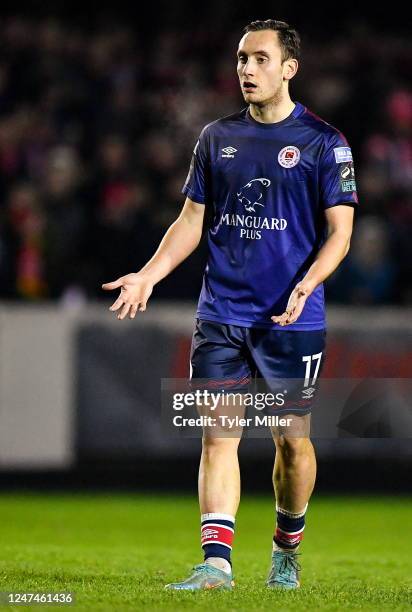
[308,393]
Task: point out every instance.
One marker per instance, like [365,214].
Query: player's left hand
[295,305]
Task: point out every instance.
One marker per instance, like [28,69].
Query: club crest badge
[289,157]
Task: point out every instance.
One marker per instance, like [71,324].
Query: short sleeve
[197,184]
[337,173]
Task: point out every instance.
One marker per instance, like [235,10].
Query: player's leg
[279,356]
[294,471]
[219,475]
[294,477]
[217,359]
[219,489]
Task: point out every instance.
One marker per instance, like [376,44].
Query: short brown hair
[289,38]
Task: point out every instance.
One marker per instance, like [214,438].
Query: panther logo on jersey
[250,195]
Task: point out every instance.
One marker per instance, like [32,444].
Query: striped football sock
[217,532]
[289,529]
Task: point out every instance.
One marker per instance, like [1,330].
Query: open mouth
[249,86]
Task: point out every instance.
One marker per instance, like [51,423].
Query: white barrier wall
[36,425]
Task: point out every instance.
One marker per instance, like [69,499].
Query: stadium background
[99,113]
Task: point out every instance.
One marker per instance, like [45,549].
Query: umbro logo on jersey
[229,152]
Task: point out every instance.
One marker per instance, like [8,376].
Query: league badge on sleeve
[347,177]
[289,157]
[342,154]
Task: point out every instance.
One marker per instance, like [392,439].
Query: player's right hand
[135,290]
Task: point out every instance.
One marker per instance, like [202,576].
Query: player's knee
[212,444]
[293,449]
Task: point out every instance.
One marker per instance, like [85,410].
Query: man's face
[260,68]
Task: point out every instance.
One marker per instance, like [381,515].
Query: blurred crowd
[97,129]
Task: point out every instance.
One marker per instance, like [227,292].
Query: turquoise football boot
[284,573]
[204,577]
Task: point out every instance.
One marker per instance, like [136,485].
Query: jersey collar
[297,112]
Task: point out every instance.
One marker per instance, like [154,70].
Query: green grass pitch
[117,551]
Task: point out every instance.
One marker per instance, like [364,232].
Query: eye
[241,59]
[261,60]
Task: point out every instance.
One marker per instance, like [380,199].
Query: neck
[273,111]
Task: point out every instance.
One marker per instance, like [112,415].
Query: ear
[290,68]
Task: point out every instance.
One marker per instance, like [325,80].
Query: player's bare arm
[180,240]
[339,223]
